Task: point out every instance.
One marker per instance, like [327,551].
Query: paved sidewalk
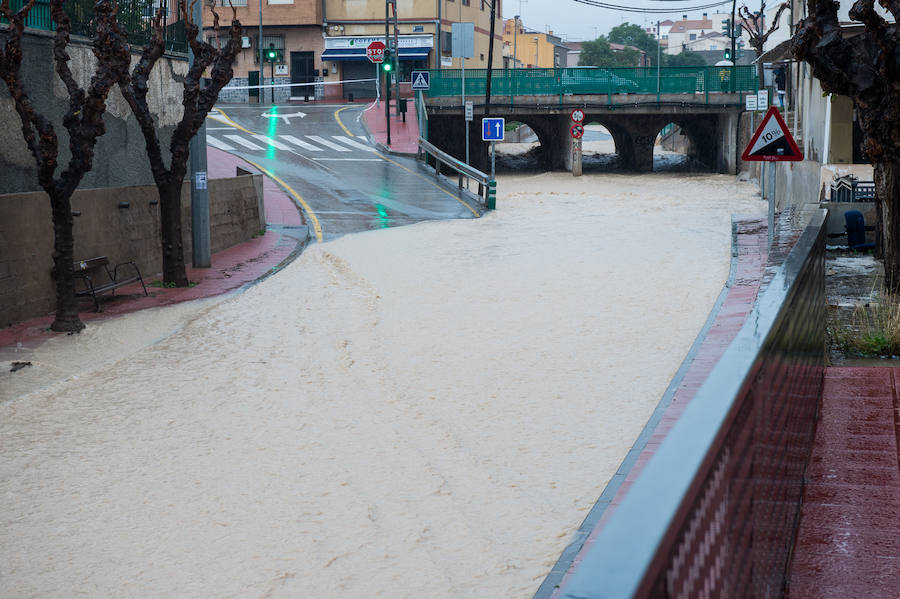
[848,544]
[231,269]
[404,136]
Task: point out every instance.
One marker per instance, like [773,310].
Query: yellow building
[322,43]
[532,49]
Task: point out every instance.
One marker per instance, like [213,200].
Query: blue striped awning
[337,54]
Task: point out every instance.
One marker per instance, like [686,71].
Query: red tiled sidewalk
[848,544]
[404,136]
[748,270]
[230,269]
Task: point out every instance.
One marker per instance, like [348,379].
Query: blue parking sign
[492,129]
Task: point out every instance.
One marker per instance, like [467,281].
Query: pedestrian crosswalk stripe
[218,143]
[268,140]
[239,140]
[353,143]
[327,144]
[301,143]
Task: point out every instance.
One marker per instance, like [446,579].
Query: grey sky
[575,21]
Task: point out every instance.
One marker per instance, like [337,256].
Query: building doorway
[302,71]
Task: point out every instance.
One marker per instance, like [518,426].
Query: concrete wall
[119,156]
[104,229]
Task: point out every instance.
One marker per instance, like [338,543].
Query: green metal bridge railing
[600,80]
[136,16]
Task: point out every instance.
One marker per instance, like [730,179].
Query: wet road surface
[321,156]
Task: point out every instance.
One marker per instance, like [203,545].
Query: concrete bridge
[633,104]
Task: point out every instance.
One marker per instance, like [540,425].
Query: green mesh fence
[579,80]
[136,16]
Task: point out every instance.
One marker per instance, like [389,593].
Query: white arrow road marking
[268,140]
[327,144]
[217,143]
[301,143]
[287,117]
[354,143]
[239,140]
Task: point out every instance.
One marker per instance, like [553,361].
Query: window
[233,3]
[693,36]
[279,1]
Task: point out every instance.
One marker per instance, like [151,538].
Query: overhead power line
[598,4]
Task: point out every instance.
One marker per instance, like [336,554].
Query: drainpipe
[438,54]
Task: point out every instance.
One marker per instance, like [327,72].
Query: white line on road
[347,159]
[353,143]
[218,143]
[241,141]
[327,144]
[301,143]
[268,140]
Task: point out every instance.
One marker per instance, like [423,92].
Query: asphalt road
[321,156]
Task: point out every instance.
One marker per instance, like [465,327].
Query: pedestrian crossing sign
[772,142]
[421,80]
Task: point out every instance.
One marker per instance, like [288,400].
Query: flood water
[428,411]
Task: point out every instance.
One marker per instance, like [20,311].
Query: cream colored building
[321,44]
[533,49]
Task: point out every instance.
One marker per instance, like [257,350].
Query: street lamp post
[262,62]
[537,47]
[515,39]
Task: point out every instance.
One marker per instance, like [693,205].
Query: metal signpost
[201,256]
[375,54]
[463,46]
[492,130]
[772,142]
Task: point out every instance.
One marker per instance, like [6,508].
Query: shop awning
[338,54]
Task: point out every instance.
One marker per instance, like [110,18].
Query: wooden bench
[97,277]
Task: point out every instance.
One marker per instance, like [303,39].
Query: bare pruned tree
[866,68]
[83,121]
[754,23]
[196,102]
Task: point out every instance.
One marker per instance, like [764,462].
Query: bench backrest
[90,263]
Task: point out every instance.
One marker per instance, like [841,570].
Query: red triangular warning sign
[772,141]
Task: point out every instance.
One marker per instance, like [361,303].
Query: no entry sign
[375,52]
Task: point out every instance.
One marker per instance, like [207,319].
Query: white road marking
[268,140]
[301,143]
[327,144]
[218,143]
[241,141]
[347,159]
[353,143]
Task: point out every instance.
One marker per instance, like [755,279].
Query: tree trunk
[67,320]
[170,225]
[887,194]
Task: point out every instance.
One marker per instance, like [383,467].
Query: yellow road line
[430,182]
[312,215]
[227,120]
[338,119]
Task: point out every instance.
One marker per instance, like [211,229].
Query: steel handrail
[486,185]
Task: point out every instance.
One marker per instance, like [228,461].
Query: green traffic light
[386,66]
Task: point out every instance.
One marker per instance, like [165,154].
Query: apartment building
[321,44]
[533,49]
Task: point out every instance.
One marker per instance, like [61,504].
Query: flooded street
[426,411]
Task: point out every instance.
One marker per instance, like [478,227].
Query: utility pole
[490,64]
[395,56]
[515,40]
[262,64]
[733,55]
[387,74]
[200,244]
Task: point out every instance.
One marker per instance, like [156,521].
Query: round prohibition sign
[577,131]
[578,115]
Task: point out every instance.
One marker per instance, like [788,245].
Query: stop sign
[375,51]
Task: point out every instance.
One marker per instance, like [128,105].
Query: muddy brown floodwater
[427,411]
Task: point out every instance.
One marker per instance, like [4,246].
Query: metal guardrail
[600,80]
[487,187]
[136,16]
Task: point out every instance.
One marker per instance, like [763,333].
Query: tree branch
[893,6]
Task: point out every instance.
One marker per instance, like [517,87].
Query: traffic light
[726,27]
[274,55]
[388,63]
[727,53]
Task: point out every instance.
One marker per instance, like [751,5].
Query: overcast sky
[576,21]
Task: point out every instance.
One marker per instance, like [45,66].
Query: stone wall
[121,223]
[119,156]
